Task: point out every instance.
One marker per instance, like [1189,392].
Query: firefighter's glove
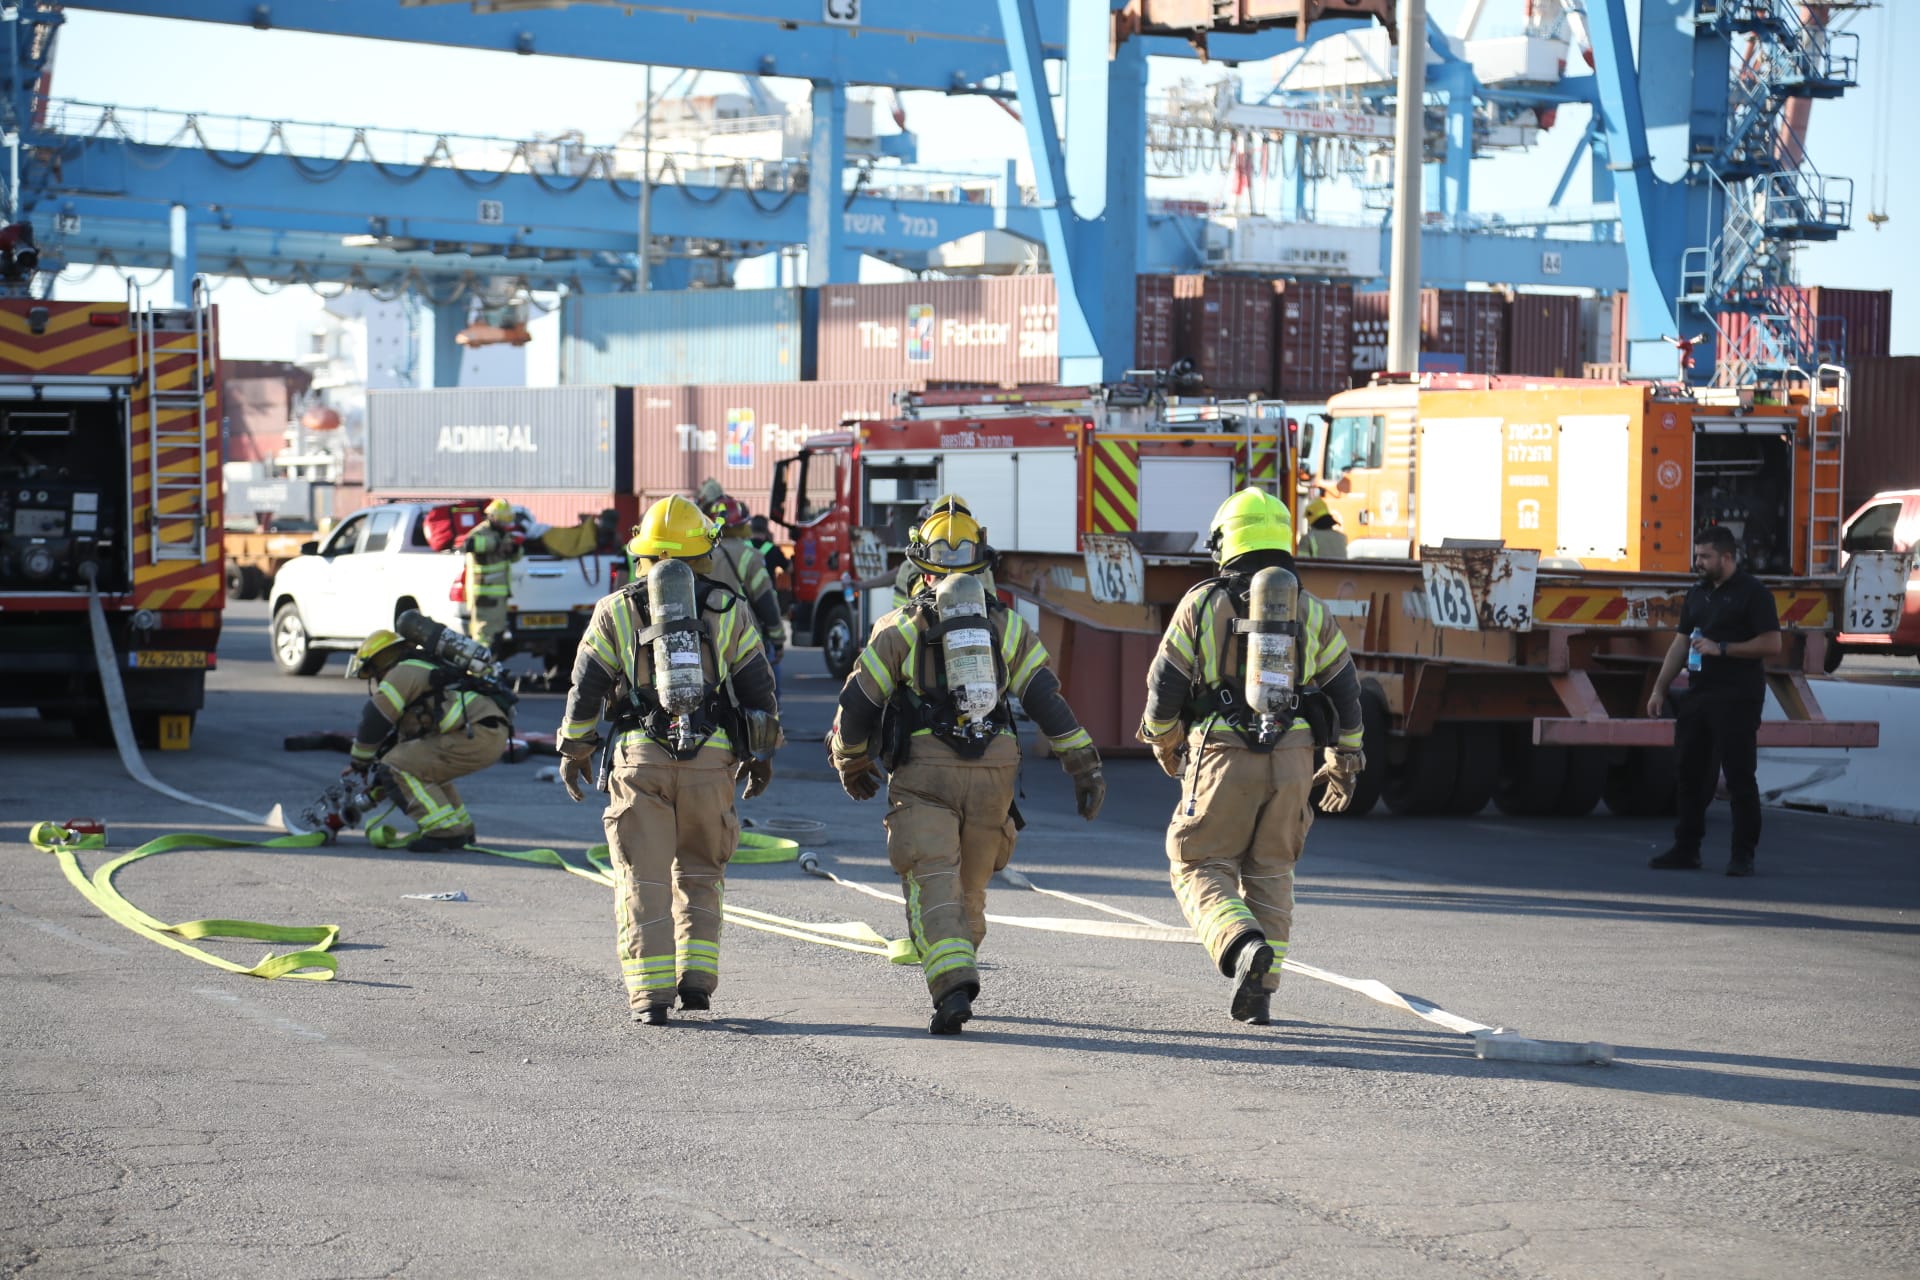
[357,769]
[1169,749]
[575,757]
[1341,773]
[859,775]
[756,774]
[1089,783]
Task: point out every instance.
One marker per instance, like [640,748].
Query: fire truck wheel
[1478,770]
[292,652]
[839,643]
[1421,781]
[1531,777]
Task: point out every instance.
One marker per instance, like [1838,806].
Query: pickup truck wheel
[838,643]
[292,652]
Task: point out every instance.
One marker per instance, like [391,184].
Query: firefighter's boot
[1251,1001]
[952,1013]
[693,998]
[653,1015]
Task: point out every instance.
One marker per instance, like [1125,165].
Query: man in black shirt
[1731,622]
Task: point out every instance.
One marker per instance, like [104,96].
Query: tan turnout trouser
[487,619]
[948,830]
[670,830]
[422,771]
[1233,856]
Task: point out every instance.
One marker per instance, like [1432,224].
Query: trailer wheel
[293,653]
[1834,656]
[1375,725]
[1531,777]
[1586,779]
[1477,771]
[838,643]
[253,582]
[1643,784]
[1421,782]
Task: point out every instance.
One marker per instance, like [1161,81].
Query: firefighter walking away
[675,661]
[928,698]
[436,713]
[1251,676]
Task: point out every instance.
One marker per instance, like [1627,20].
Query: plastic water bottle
[1693,655]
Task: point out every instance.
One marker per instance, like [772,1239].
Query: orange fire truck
[1490,671]
[110,488]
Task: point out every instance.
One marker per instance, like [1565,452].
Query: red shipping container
[1472,325]
[1848,325]
[1154,330]
[734,434]
[1883,430]
[1225,325]
[993,330]
[1619,353]
[1312,339]
[1543,335]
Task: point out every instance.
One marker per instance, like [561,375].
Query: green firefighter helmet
[1250,520]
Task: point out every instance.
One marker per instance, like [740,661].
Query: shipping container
[1312,339]
[733,435]
[1883,431]
[248,500]
[1225,326]
[993,330]
[1543,335]
[686,336]
[1601,319]
[1155,335]
[1844,325]
[507,439]
[257,398]
[1618,354]
[1457,322]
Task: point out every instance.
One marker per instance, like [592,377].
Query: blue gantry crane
[451,217]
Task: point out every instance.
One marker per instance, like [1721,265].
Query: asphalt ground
[468,1098]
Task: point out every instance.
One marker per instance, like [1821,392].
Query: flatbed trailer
[1484,677]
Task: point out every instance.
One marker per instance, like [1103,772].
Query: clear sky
[281,75]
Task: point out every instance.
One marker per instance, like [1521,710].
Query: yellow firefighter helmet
[1251,520]
[366,659]
[500,511]
[948,541]
[673,528]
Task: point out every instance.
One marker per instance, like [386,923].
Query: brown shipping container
[1312,339]
[1452,322]
[992,330]
[1225,325]
[1543,335]
[1154,330]
[1850,325]
[1883,435]
[735,433]
[1619,353]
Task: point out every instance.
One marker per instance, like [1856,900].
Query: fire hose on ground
[315,961]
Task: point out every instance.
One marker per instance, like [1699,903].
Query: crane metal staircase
[1768,195]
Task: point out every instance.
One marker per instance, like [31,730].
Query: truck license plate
[540,621]
[147,658]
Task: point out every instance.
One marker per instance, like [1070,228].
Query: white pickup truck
[378,563]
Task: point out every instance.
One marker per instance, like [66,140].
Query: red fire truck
[109,484]
[1062,470]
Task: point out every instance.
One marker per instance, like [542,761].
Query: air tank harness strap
[314,963]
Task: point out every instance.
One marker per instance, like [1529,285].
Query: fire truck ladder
[1826,476]
[177,509]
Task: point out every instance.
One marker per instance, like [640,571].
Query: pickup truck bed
[378,563]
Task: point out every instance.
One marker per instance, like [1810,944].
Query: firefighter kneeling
[446,721]
[677,661]
[1251,675]
[929,694]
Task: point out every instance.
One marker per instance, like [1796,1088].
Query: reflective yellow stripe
[1072,741]
[1159,727]
[457,709]
[877,672]
[386,692]
[1035,660]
